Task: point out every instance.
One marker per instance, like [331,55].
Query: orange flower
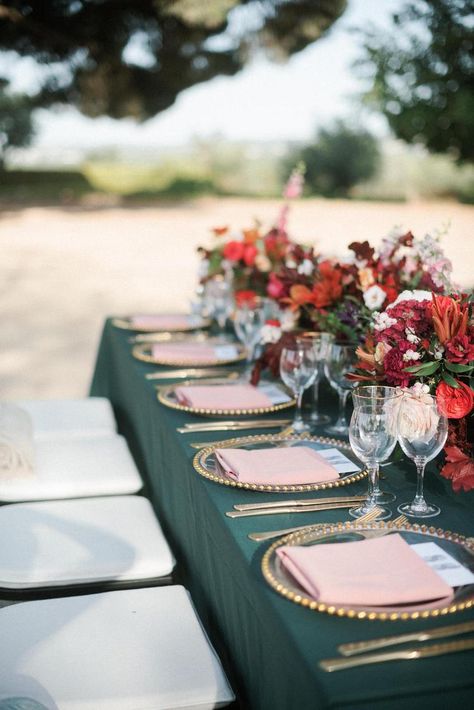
[329,288]
[219,231]
[251,235]
[449,318]
[454,402]
[299,296]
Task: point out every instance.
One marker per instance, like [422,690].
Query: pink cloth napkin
[294,464]
[184,352]
[222,397]
[381,572]
[161,322]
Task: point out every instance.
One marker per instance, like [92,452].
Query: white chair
[81,542]
[92,416]
[122,650]
[75,468]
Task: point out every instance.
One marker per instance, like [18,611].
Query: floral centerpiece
[341,296]
[427,339]
[248,257]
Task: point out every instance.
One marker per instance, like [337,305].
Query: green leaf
[455,367]
[449,379]
[428,368]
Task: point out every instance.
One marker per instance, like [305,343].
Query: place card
[274,393]
[449,569]
[341,463]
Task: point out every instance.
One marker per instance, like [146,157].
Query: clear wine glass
[422,433]
[298,369]
[367,395]
[342,360]
[373,436]
[249,320]
[219,300]
[322,343]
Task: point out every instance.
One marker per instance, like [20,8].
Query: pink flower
[294,186]
[275,288]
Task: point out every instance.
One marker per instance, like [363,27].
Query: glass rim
[314,334]
[372,397]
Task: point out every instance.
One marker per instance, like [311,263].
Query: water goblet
[322,343]
[367,395]
[341,361]
[219,300]
[422,433]
[373,437]
[249,320]
[298,369]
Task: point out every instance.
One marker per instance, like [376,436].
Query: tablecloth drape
[269,646]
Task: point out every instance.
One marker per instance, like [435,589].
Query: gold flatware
[368,517]
[287,509]
[303,502]
[407,654]
[233,425]
[353,649]
[192,372]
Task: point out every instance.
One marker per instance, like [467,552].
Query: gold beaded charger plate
[206,465]
[167,395]
[144,352]
[455,545]
[194,323]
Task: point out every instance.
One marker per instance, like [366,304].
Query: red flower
[233,251]
[242,297]
[459,469]
[275,288]
[454,402]
[250,252]
[459,349]
[329,288]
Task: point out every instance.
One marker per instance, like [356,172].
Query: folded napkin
[16,442]
[380,572]
[295,464]
[161,322]
[222,397]
[185,352]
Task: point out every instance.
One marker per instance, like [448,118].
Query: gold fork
[368,517]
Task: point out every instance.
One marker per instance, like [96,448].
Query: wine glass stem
[341,419]
[420,470]
[373,482]
[298,422]
[315,404]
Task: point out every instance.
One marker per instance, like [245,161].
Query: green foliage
[16,125]
[422,75]
[341,158]
[132,58]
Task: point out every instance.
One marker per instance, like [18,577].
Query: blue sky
[266,101]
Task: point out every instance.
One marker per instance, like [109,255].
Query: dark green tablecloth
[270,646]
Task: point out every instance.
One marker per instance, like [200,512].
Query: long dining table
[269,645]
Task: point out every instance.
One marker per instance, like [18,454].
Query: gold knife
[287,509]
[406,654]
[233,426]
[302,502]
[353,649]
[193,372]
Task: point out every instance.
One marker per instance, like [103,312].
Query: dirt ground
[63,270]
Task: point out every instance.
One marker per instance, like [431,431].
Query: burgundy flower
[393,365]
[459,349]
[459,469]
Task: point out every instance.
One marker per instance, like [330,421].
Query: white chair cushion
[139,649]
[92,416]
[81,542]
[76,468]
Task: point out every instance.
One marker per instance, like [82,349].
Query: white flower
[374,297]
[203,268]
[383,321]
[416,295]
[288,320]
[270,334]
[411,337]
[263,263]
[419,389]
[290,264]
[306,267]
[411,355]
[417,417]
[438,352]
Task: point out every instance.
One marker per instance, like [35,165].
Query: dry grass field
[63,270]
